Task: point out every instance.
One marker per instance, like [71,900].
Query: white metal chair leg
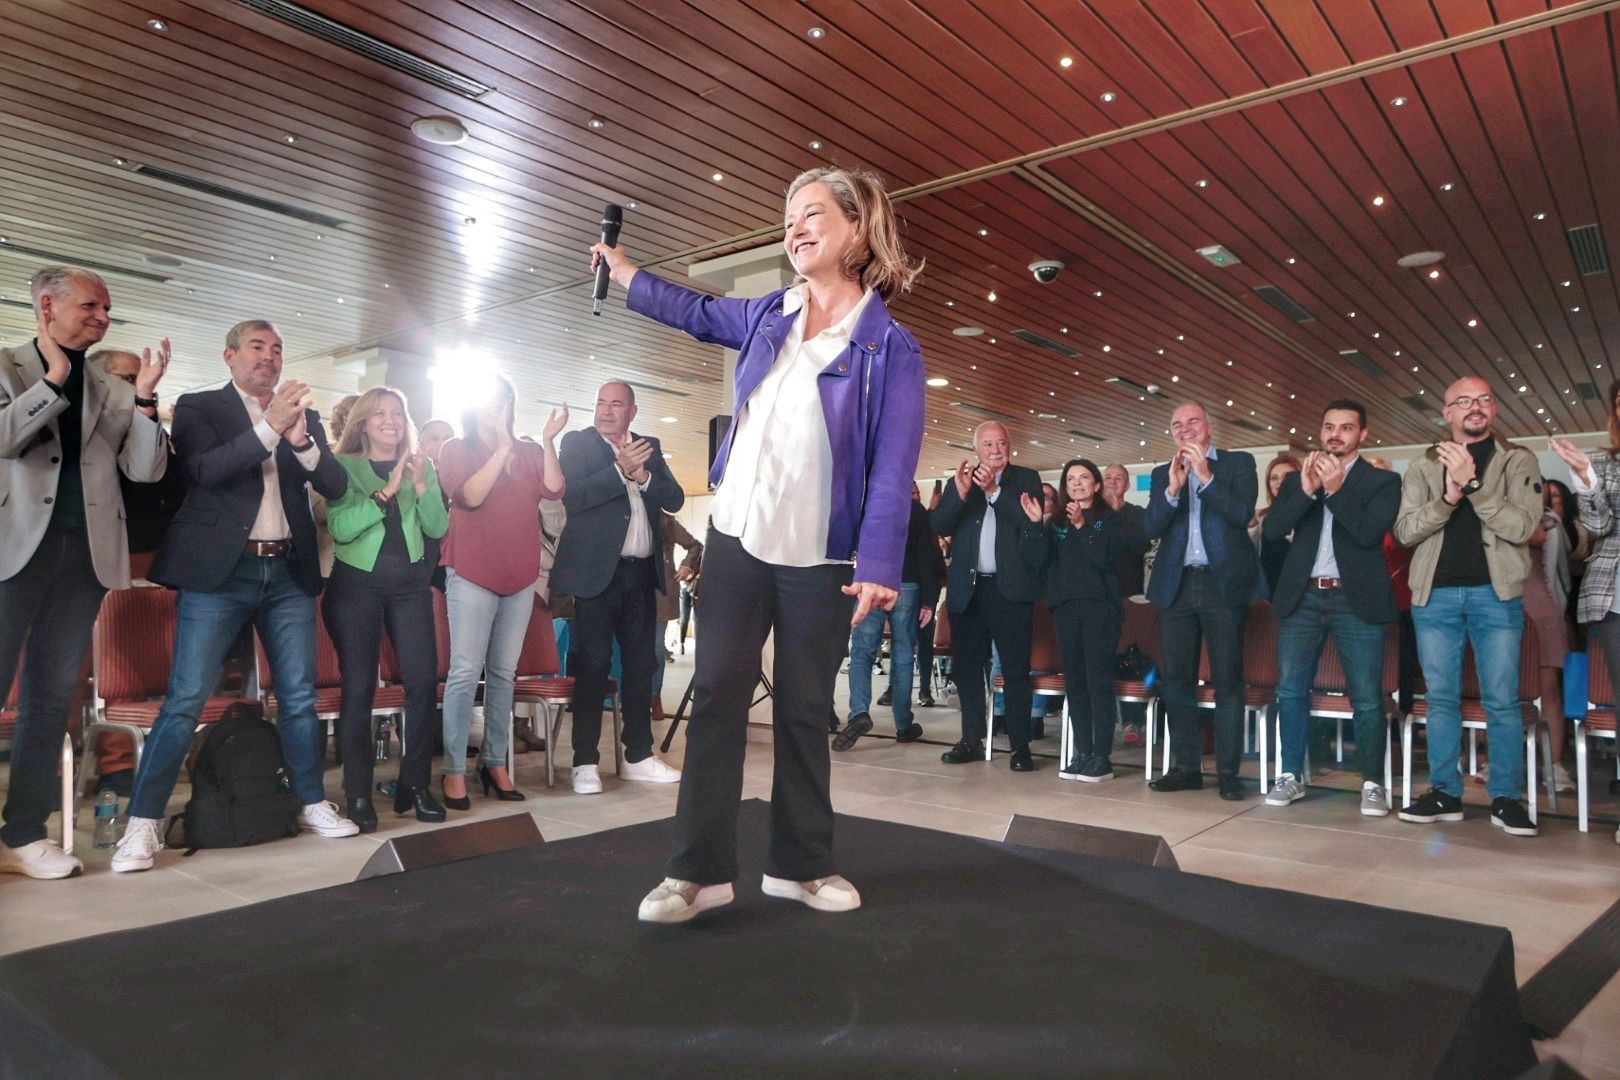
[1063,736]
[1263,733]
[618,739]
[1164,762]
[1389,763]
[1473,752]
[1406,760]
[70,804]
[1530,768]
[1338,752]
[1547,763]
[990,719]
[1580,774]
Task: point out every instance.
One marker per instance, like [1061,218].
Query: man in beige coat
[67,430]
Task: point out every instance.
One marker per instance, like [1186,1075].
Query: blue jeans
[1300,638]
[863,651]
[1475,615]
[261,590]
[486,636]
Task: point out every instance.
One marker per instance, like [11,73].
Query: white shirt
[776,495]
[638,537]
[271,521]
[1327,562]
[1587,489]
[987,531]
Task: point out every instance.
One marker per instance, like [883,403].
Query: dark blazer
[220,455]
[150,507]
[1227,507]
[923,557]
[1078,564]
[1133,546]
[1364,509]
[598,506]
[961,519]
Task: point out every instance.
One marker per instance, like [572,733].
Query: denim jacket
[872,399]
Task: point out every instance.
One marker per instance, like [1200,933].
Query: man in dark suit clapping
[1204,579]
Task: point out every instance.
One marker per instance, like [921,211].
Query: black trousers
[925,657]
[627,610]
[747,599]
[357,606]
[1088,635]
[48,608]
[992,617]
[1200,616]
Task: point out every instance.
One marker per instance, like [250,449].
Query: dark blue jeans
[1300,637]
[263,591]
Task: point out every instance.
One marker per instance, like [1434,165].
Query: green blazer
[356,522]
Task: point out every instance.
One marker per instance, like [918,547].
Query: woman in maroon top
[495,482]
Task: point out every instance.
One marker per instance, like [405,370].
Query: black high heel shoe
[484,776]
[463,803]
[422,801]
[362,814]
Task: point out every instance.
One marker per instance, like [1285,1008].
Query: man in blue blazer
[1204,578]
[610,559]
[242,549]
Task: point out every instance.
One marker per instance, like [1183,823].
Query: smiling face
[990,442]
[1116,481]
[1080,485]
[1470,409]
[816,233]
[255,363]
[1189,423]
[79,316]
[385,427]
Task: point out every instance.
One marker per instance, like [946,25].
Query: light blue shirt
[987,532]
[1327,560]
[1196,554]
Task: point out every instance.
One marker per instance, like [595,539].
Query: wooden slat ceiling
[1282,106]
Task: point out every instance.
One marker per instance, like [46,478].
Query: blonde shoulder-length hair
[355,441]
[876,257]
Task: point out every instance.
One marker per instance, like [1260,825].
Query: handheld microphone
[612,219]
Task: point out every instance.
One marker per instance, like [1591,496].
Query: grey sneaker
[1286,790]
[1373,802]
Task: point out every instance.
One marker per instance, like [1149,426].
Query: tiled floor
[1545,890]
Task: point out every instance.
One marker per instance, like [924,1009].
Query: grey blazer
[117,436]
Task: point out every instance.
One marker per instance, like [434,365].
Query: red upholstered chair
[1140,628]
[538,688]
[1473,718]
[8,734]
[1598,723]
[1329,698]
[132,653]
[942,637]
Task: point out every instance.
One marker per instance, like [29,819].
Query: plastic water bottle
[384,729]
[106,818]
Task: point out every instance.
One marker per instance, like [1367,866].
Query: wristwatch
[146,402]
[1471,487]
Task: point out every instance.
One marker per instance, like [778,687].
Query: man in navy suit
[1205,577]
[242,548]
[610,559]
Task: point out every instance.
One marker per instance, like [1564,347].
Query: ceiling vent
[959,446]
[1586,245]
[220,191]
[59,259]
[346,37]
[1586,391]
[1046,343]
[1364,362]
[1077,433]
[1119,382]
[1247,425]
[980,410]
[1284,303]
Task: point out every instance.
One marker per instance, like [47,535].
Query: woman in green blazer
[380,576]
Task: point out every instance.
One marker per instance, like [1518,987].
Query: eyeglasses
[1469,400]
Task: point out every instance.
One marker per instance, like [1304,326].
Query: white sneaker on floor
[675,901]
[1562,781]
[323,819]
[41,859]
[587,781]
[140,845]
[1373,801]
[652,770]
[1286,790]
[824,894]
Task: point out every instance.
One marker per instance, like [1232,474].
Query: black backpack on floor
[241,792]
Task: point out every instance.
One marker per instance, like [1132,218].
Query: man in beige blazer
[66,431]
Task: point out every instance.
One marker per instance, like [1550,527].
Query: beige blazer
[117,436]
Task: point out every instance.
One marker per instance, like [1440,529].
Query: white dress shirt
[987,531]
[1327,563]
[776,495]
[638,537]
[271,521]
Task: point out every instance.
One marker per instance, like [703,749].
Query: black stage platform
[970,958]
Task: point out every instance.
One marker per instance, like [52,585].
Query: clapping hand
[985,480]
[57,365]
[964,479]
[416,471]
[1197,458]
[1178,473]
[1459,466]
[1034,507]
[1580,465]
[1329,471]
[152,369]
[286,409]
[555,423]
[632,459]
[1075,513]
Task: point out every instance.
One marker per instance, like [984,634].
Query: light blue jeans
[486,637]
[1451,618]
[863,650]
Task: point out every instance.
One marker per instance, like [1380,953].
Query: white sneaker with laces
[140,845]
[1373,801]
[587,781]
[40,859]
[652,770]
[824,894]
[675,901]
[323,819]
[1286,790]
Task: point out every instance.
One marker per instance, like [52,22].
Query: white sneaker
[41,859]
[675,901]
[1286,790]
[139,847]
[587,781]
[824,894]
[652,770]
[1373,801]
[323,819]
[1562,781]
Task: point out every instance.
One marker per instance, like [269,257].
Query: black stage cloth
[971,958]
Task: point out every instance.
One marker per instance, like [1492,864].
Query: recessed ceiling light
[1108,348]
[1540,215]
[320,236]
[1229,363]
[1420,258]
[1565,284]
[385,284]
[289,139]
[815,144]
[992,341]
[968,331]
[272,258]
[1108,96]
[1378,200]
[816,33]
[1397,101]
[1201,183]
[1434,275]
[1577,308]
[992,296]
[340,299]
[1447,186]
[1522,389]
[157,24]
[1161,352]
[938,381]
[1539,345]
[1376,334]
[1181,337]
[1414,368]
[984,232]
[120,162]
[1291,260]
[1228,402]
[1065,329]
[1472,323]
[439,130]
[630,206]
[596,123]
[1352,314]
[670,419]
[531,269]
[950,303]
[717,177]
[1067,61]
[1098,294]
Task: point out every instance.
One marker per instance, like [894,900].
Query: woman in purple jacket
[811,505]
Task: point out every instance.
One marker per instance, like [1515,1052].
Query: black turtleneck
[68,510]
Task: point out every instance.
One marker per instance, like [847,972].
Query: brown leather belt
[1326,583]
[268,549]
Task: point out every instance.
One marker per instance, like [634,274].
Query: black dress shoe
[910,733]
[487,778]
[422,801]
[887,697]
[1021,761]
[463,803]
[859,725]
[1178,779]
[362,814]
[926,700]
[1231,788]
[963,752]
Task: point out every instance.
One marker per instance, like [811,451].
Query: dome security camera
[1045,270]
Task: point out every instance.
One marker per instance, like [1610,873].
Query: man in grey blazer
[66,432]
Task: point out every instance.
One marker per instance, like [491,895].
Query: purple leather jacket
[872,399]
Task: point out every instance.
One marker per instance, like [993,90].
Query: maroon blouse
[495,545]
